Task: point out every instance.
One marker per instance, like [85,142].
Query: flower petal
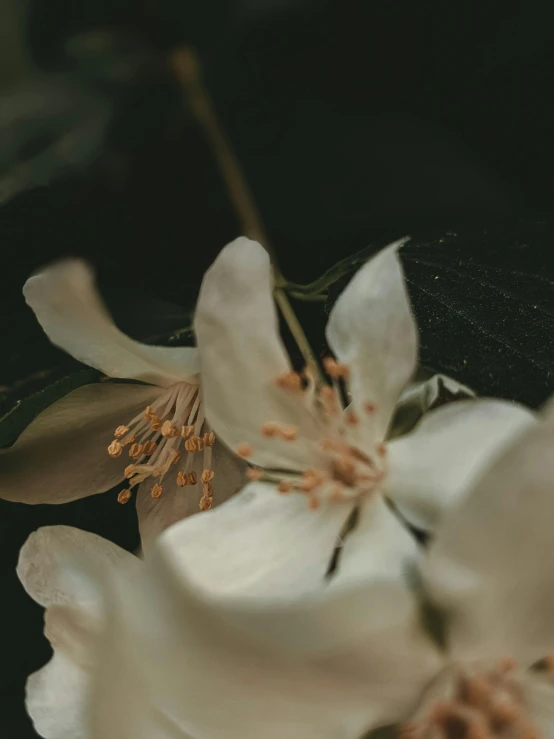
[62,455]
[539,698]
[379,547]
[241,356]
[334,665]
[430,469]
[58,694]
[422,396]
[371,329]
[258,543]
[176,503]
[70,310]
[489,566]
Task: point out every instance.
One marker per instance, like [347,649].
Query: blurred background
[355,122]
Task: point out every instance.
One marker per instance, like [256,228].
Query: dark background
[355,122]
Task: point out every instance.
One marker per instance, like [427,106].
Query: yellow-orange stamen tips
[124,496]
[155,424]
[121,431]
[209,438]
[176,457]
[194,444]
[253,474]
[156,491]
[129,441]
[334,369]
[351,417]
[186,431]
[205,503]
[186,478]
[149,413]
[115,448]
[169,430]
[369,407]
[207,476]
[149,448]
[136,450]
[270,429]
[290,381]
[284,486]
[245,450]
[288,433]
[129,471]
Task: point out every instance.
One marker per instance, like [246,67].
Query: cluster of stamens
[156,439]
[489,705]
[345,471]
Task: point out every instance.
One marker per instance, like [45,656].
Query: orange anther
[284,486]
[245,450]
[288,433]
[156,491]
[114,450]
[169,430]
[209,438]
[121,431]
[124,496]
[254,474]
[270,428]
[207,476]
[136,450]
[290,381]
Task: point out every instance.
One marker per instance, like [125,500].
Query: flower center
[485,705]
[345,471]
[157,438]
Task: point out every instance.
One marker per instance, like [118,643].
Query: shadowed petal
[371,329]
[70,310]
[241,356]
[62,455]
[430,469]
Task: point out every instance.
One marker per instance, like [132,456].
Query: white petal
[430,469]
[69,309]
[490,565]
[58,694]
[62,455]
[259,542]
[241,355]
[378,548]
[176,503]
[372,330]
[327,667]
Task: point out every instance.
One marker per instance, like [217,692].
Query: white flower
[156,433]
[232,629]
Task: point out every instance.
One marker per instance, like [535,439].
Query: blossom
[153,434]
[270,615]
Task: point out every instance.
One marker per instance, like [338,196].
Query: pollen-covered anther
[209,438]
[149,448]
[253,474]
[194,444]
[128,442]
[290,381]
[244,450]
[186,478]
[169,430]
[115,449]
[129,471]
[205,503]
[124,496]
[335,370]
[284,486]
[351,417]
[288,433]
[207,476]
[120,431]
[270,429]
[136,450]
[176,456]
[186,431]
[156,491]
[155,423]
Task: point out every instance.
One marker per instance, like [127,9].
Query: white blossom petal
[58,695]
[430,469]
[62,455]
[241,356]
[371,329]
[258,543]
[538,695]
[489,565]
[333,665]
[157,514]
[71,312]
[378,548]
